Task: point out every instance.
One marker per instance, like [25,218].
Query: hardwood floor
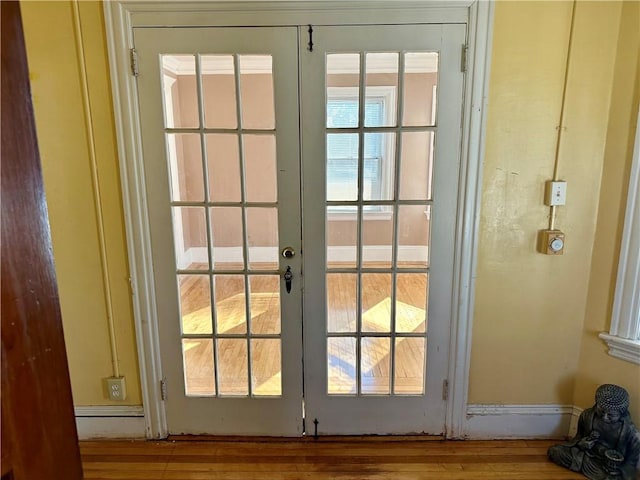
[264,303]
[357,458]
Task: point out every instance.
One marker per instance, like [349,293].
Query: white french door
[382,109]
[219,124]
[302,272]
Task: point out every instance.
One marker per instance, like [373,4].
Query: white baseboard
[227,254]
[110,422]
[519,421]
[483,421]
[377,253]
[370,253]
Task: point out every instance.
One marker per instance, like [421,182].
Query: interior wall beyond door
[377,231]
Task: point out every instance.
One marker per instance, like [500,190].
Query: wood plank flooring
[358,458]
[264,303]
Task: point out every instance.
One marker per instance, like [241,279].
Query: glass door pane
[235,222]
[387,221]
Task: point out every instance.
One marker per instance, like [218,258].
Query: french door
[301,201]
[219,125]
[381,134]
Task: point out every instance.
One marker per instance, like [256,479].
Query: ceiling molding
[421,62]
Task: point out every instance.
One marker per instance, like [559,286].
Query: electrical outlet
[117,388]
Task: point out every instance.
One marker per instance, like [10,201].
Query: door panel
[219,116]
[381,133]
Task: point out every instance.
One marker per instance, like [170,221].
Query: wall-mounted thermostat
[551,242]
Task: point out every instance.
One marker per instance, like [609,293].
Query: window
[343,149]
[624,336]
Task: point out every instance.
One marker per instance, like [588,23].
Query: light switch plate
[555,193]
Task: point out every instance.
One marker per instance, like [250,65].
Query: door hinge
[445,389]
[163,389]
[310,44]
[463,58]
[134,62]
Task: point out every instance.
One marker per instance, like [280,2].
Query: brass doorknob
[288,252]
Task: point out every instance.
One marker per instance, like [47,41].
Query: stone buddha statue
[607,444]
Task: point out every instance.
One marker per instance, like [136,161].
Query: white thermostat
[551,242]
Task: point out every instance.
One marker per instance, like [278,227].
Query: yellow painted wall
[596,366]
[530,308]
[63,140]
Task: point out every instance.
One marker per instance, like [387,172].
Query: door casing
[122,16]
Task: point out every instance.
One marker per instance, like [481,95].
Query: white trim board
[485,422]
[623,337]
[622,348]
[163,13]
[110,422]
[479,42]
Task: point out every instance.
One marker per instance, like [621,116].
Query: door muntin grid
[220,138]
[377,247]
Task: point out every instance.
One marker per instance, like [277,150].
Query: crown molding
[426,62]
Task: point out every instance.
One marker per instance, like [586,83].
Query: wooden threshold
[306,438]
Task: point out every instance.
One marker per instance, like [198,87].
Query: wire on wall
[97,197]
[561,127]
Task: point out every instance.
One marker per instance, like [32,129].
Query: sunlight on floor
[233,353]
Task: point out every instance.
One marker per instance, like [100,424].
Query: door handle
[288,277]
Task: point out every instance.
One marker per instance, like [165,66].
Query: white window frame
[624,335]
[388,95]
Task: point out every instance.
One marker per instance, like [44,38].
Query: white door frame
[121,16]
